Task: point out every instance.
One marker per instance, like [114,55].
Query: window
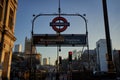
[1,8]
[11,18]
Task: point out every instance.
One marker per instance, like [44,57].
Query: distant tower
[28,47]
[45,61]
[18,48]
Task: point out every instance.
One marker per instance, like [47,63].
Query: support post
[107,33]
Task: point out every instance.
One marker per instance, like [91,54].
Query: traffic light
[60,60]
[70,56]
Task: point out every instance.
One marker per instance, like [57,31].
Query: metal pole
[107,32]
[57,74]
[30,71]
[49,61]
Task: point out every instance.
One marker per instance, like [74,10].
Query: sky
[94,15]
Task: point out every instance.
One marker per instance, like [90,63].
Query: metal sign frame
[81,16]
[58,45]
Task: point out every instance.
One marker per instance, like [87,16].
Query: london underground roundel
[59,24]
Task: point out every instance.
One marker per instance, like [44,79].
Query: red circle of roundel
[59,29]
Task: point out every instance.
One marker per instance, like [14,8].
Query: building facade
[45,61]
[101,49]
[89,60]
[8,10]
[18,48]
[27,51]
[116,59]
[27,48]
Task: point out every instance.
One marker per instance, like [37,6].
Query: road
[53,77]
[80,76]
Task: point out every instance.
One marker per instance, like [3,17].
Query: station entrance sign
[63,40]
[59,21]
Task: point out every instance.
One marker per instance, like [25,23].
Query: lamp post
[107,33]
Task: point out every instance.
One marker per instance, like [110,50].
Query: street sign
[62,40]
